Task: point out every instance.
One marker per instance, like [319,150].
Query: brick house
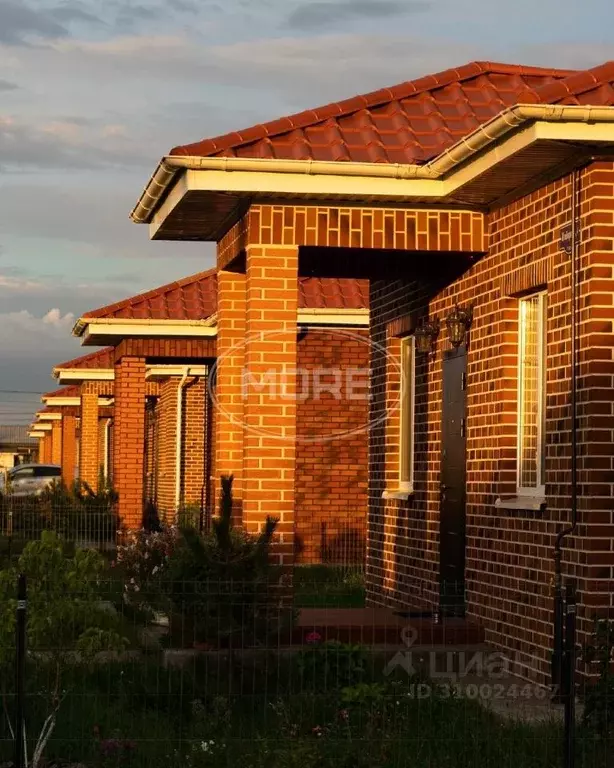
[489,187]
[171,333]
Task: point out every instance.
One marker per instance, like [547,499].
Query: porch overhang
[36,433]
[160,372]
[70,402]
[49,416]
[110,331]
[79,375]
[199,198]
[41,427]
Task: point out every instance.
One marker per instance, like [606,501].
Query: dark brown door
[453,480]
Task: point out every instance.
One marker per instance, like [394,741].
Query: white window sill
[537,503]
[398,493]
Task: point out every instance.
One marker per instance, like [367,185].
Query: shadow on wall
[339,545]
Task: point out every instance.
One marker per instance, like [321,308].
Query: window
[531,388]
[408,380]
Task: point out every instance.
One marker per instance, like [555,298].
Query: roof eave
[389,181]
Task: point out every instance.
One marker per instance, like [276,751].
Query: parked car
[31,479]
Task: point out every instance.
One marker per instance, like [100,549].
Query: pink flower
[313,638]
[344,714]
[317,730]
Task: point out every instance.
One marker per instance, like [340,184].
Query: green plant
[222,584]
[332,665]
[67,622]
[598,656]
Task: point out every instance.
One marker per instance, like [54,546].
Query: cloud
[55,318]
[6,86]
[321,15]
[68,12]
[18,22]
[23,334]
[67,144]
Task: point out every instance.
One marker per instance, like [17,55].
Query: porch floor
[381,626]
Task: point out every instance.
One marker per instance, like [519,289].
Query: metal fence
[157,659]
[86,525]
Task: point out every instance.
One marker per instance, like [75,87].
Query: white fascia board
[165,371]
[135,328]
[42,416]
[340,317]
[72,375]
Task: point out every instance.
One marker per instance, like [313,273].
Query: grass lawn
[328,586]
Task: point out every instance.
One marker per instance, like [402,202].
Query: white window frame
[407,401]
[540,487]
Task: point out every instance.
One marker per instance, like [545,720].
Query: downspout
[107,430]
[179,422]
[569,530]
[206,511]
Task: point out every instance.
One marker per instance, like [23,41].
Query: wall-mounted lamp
[426,335]
[458,323]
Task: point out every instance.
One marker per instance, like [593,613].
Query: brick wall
[88,435]
[192,445]
[509,553]
[69,448]
[332,474]
[229,403]
[56,442]
[166,416]
[269,439]
[129,436]
[193,442]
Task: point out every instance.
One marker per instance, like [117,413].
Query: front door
[453,479]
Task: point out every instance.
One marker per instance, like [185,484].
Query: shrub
[599,696]
[332,665]
[220,586]
[67,623]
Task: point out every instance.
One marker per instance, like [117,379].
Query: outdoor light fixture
[426,335]
[458,323]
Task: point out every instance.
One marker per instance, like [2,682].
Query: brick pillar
[88,439]
[69,449]
[45,449]
[269,388]
[56,442]
[231,302]
[129,439]
[193,441]
[167,427]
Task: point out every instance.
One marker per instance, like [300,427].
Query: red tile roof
[195,298]
[102,358]
[593,87]
[408,123]
[332,293]
[74,390]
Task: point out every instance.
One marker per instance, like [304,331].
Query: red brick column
[89,464]
[129,439]
[45,448]
[193,441]
[269,389]
[69,448]
[166,414]
[56,442]
[231,291]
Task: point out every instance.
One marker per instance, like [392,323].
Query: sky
[94,92]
